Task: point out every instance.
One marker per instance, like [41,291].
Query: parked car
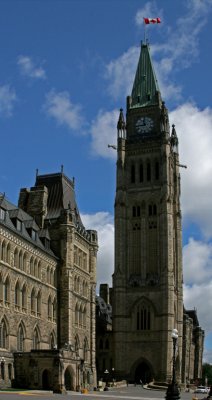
[201,389]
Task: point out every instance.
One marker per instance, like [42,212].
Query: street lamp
[172,392]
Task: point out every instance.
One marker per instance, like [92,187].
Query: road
[130,392]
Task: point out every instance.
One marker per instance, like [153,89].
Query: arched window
[132,173]
[31,266]
[36,340]
[24,297]
[49,308]
[141,173]
[7,291]
[39,304]
[20,338]
[33,302]
[17,295]
[3,335]
[20,261]
[81,316]
[24,262]
[51,276]
[156,170]
[39,270]
[54,310]
[85,349]
[36,268]
[148,171]
[77,344]
[52,342]
[8,254]
[75,283]
[16,258]
[84,316]
[48,274]
[3,251]
[76,314]
[1,289]
[143,318]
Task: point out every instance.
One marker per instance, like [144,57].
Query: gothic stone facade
[148,276]
[47,289]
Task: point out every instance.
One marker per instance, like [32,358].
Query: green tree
[207,374]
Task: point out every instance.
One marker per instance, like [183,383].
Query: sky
[66,69]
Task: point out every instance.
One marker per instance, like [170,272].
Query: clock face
[144,125]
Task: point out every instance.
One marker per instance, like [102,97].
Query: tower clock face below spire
[144,125]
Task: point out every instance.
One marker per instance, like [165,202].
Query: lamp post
[106,373]
[172,392]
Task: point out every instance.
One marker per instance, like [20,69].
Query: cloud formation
[103,132]
[7,100]
[59,106]
[29,69]
[103,223]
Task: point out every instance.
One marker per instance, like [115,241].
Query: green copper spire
[145,90]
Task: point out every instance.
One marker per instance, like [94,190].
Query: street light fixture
[172,392]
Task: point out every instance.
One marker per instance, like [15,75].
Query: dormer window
[47,243]
[18,225]
[2,214]
[33,234]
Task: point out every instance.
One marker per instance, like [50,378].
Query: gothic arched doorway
[143,373]
[68,379]
[46,380]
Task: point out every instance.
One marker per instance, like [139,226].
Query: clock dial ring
[144,125]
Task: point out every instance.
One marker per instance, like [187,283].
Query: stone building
[147,293]
[47,289]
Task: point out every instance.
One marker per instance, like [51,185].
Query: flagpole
[144,33]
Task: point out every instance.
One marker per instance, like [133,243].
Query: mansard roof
[145,90]
[61,195]
[12,213]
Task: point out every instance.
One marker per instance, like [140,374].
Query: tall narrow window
[20,339]
[3,335]
[133,174]
[7,291]
[148,171]
[156,170]
[141,173]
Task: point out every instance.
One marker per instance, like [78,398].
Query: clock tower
[147,280]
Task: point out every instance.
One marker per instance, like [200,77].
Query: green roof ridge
[145,87]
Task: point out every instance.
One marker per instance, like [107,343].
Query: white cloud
[177,52]
[197,260]
[59,106]
[103,131]
[194,127]
[7,99]
[120,73]
[103,223]
[30,69]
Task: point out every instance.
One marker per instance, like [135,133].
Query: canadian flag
[152,20]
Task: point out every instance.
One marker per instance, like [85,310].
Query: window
[35,340]
[141,173]
[133,174]
[24,297]
[143,318]
[7,291]
[33,302]
[156,170]
[20,339]
[3,335]
[33,234]
[2,214]
[148,171]
[18,225]
[17,295]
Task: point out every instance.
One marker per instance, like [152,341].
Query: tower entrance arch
[143,373]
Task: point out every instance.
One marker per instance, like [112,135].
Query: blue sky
[66,69]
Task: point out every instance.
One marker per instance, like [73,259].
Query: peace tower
[147,280]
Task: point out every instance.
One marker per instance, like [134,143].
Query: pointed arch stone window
[20,338]
[3,335]
[132,173]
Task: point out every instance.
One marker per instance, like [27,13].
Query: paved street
[130,392]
